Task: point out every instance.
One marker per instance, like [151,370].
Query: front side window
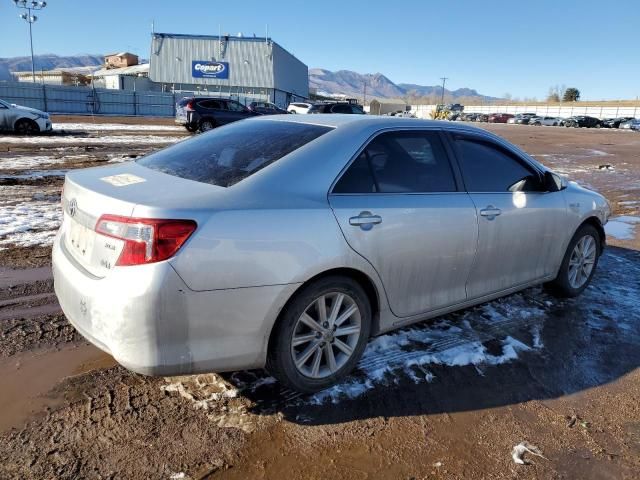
[341,109]
[400,162]
[235,106]
[229,154]
[486,167]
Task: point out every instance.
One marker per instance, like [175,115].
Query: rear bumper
[152,323]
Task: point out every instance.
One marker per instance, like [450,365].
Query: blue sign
[204,69]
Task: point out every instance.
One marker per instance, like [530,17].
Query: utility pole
[444,80]
[30,19]
[364,100]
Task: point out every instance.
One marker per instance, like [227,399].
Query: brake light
[189,106]
[146,240]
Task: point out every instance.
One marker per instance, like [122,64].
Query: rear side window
[212,104]
[488,168]
[400,162]
[227,155]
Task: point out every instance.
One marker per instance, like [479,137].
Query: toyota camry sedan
[286,242]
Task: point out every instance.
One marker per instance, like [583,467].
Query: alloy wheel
[325,336]
[582,261]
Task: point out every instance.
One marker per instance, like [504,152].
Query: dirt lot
[445,399]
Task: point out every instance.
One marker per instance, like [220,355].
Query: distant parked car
[547,121]
[337,107]
[499,117]
[482,117]
[615,122]
[266,108]
[299,107]
[206,113]
[580,121]
[23,120]
[524,118]
[633,124]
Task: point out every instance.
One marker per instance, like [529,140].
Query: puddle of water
[28,378]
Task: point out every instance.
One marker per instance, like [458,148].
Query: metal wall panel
[253,62]
[250,60]
[290,74]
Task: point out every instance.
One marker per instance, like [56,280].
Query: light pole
[30,19]
[444,79]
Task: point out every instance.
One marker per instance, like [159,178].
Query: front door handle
[490,212]
[366,220]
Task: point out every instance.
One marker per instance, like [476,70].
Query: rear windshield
[184,101]
[227,155]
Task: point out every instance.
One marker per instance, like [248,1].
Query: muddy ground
[562,375]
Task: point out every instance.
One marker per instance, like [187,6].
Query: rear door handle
[366,220]
[490,212]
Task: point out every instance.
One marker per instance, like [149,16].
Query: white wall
[424,111]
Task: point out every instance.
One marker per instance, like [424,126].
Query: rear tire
[190,128]
[579,263]
[25,126]
[206,125]
[308,355]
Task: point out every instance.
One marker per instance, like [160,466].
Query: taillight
[146,240]
[189,105]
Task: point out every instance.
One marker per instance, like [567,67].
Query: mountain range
[378,85]
[325,82]
[47,61]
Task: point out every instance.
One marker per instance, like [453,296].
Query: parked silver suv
[287,241]
[23,120]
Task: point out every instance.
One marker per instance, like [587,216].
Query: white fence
[564,111]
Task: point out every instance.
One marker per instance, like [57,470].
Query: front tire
[320,335]
[579,263]
[25,126]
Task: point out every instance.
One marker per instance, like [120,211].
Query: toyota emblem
[73,207]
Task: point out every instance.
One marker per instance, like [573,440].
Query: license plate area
[80,241]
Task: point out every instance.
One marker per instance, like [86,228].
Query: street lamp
[30,19]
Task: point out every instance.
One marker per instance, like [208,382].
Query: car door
[4,117]
[400,207]
[519,223]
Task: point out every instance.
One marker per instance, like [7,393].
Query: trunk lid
[117,190]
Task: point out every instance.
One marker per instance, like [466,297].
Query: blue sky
[497,47]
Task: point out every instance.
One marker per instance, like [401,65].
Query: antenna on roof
[266,37]
[153,26]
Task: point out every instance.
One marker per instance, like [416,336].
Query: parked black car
[205,113]
[482,117]
[266,108]
[615,122]
[337,107]
[583,121]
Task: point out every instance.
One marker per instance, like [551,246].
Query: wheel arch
[597,224]
[359,276]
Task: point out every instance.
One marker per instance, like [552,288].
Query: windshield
[227,155]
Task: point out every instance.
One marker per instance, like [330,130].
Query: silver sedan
[286,243]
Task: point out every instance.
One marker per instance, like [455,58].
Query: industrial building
[224,65]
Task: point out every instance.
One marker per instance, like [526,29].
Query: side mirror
[553,182]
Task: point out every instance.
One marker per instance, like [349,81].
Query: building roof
[120,54]
[59,71]
[137,70]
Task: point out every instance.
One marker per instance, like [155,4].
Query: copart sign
[203,69]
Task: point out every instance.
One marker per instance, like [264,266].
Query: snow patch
[108,139]
[25,162]
[412,350]
[29,223]
[96,127]
[623,227]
